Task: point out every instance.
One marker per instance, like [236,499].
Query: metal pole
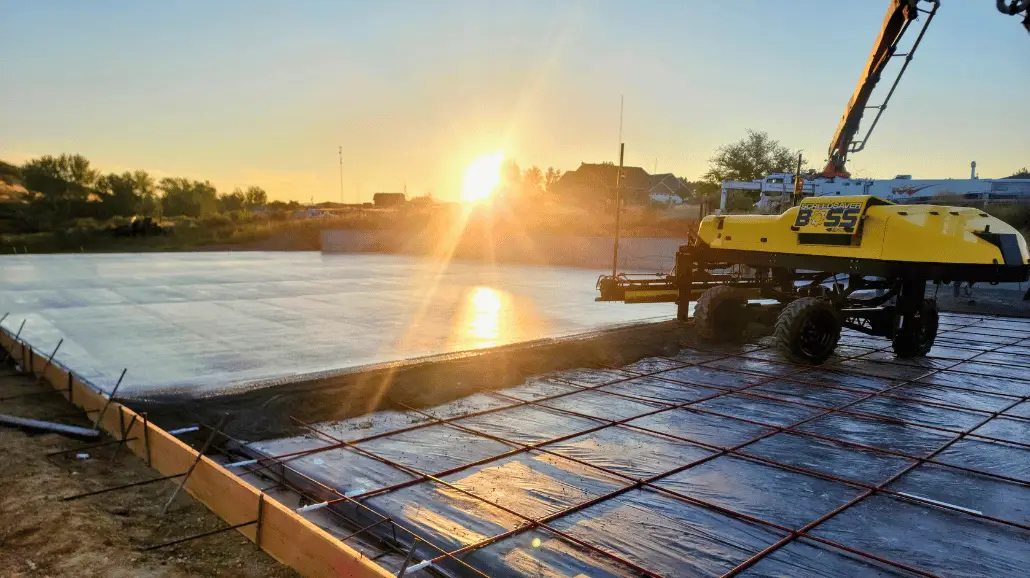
[146,437]
[42,373]
[210,439]
[341,174]
[110,398]
[797,184]
[618,209]
[14,342]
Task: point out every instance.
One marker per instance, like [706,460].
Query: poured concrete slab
[199,324]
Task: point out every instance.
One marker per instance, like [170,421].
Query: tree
[188,198]
[255,197]
[532,181]
[551,177]
[233,201]
[69,168]
[1022,173]
[61,185]
[126,194]
[752,157]
[739,201]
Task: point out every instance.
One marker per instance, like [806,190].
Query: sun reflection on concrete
[484,316]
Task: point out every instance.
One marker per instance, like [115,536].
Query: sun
[482,177]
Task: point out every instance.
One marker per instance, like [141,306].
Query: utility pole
[618,209]
[341,174]
[799,184]
[618,189]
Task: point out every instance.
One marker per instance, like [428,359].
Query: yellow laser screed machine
[831,262]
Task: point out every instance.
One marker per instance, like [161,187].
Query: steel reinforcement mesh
[711,462]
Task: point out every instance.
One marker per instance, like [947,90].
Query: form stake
[200,454]
[110,398]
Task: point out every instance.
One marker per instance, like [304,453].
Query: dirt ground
[41,535]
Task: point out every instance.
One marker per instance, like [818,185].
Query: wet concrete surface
[1001,299]
[202,324]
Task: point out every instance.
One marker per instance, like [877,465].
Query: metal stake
[411,552]
[201,535]
[125,432]
[122,487]
[146,438]
[7,354]
[210,439]
[110,398]
[42,372]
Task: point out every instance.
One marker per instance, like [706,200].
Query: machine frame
[855,262]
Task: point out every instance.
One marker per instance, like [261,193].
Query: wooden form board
[285,535]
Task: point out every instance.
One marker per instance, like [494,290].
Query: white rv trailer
[776,189]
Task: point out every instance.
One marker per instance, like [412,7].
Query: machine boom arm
[900,15]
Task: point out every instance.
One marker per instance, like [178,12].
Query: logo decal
[833,217]
[908,190]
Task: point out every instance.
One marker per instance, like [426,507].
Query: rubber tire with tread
[916,335]
[720,314]
[793,321]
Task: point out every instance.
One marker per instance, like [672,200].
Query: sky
[254,92]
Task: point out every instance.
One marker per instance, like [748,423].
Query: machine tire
[720,314]
[917,333]
[808,329]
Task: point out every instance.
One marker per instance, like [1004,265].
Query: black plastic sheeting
[714,434]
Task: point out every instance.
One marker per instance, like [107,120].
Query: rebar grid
[791,533]
[283,481]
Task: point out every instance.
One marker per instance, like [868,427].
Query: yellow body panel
[888,232]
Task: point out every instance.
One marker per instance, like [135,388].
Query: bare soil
[103,535]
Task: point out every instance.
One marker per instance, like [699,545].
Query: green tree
[51,175]
[188,198]
[61,188]
[752,157]
[1022,173]
[233,201]
[126,194]
[255,197]
[739,201]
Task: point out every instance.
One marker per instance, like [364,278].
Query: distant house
[383,200]
[669,184]
[596,182]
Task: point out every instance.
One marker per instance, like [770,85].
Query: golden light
[482,177]
[484,317]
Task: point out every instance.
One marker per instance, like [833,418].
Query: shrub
[216,221]
[1017,215]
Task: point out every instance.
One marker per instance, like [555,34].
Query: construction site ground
[657,456]
[102,536]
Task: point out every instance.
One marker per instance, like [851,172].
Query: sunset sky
[252,92]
